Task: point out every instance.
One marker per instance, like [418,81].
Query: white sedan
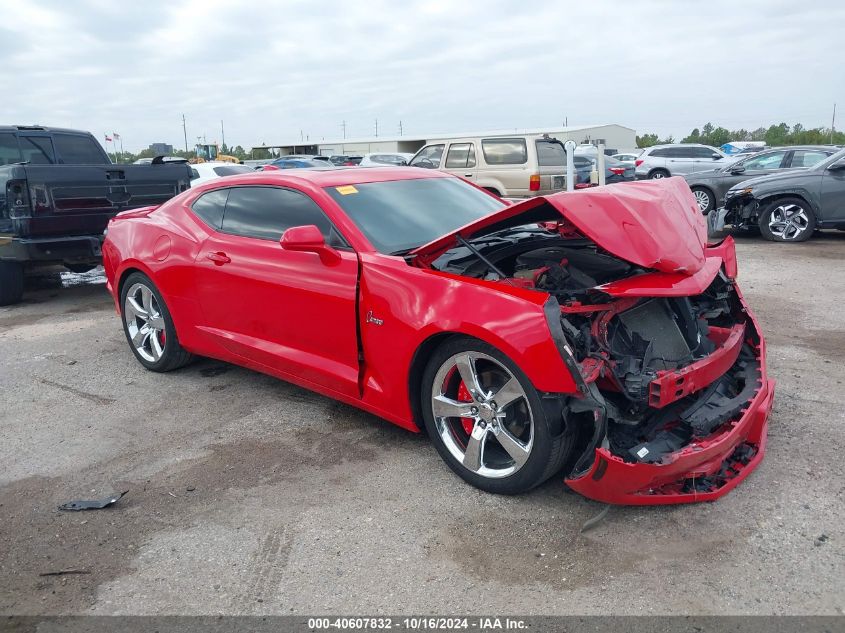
[204,172]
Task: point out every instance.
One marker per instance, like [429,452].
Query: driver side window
[428,157]
[766,161]
[267,212]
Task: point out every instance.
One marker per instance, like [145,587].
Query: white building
[615,137]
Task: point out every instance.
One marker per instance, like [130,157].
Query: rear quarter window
[78,150]
[505,151]
[209,207]
[9,150]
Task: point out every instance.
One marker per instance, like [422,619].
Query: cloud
[270,70]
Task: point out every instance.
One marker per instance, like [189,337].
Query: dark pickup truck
[58,190]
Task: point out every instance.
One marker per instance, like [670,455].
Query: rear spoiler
[159,160]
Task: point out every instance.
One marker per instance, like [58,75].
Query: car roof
[40,128]
[341,176]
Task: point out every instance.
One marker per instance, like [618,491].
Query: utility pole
[400,128]
[222,133]
[376,127]
[832,123]
[343,126]
[185,132]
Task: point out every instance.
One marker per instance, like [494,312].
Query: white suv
[662,161]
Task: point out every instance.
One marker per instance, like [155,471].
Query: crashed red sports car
[592,334]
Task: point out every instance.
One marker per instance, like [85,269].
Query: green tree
[647,140]
[694,136]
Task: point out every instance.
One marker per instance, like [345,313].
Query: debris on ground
[96,504]
[589,524]
[65,572]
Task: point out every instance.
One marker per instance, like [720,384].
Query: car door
[460,160]
[290,311]
[706,158]
[682,160]
[832,197]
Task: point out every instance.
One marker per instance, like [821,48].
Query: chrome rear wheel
[144,322]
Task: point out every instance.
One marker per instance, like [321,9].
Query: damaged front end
[669,361]
[676,394]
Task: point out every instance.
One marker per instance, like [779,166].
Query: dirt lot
[249,495]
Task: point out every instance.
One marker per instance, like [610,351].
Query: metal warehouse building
[615,137]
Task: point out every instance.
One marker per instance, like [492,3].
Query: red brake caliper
[464,396]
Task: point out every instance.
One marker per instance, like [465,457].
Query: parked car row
[519,166]
[710,186]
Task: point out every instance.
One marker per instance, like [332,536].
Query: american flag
[116,136]
[108,138]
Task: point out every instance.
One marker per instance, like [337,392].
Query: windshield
[400,215]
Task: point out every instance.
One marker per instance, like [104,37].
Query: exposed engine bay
[660,372]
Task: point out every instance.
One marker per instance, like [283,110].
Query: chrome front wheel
[482,415]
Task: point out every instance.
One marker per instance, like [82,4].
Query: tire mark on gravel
[91,397]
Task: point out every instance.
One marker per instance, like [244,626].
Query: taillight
[617,170]
[534,182]
[639,162]
[18,199]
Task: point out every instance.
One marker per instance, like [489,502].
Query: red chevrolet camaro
[592,334]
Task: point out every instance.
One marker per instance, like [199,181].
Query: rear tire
[507,447]
[149,327]
[658,173]
[788,220]
[11,283]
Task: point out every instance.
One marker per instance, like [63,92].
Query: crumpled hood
[653,224]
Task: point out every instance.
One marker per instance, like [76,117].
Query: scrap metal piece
[589,524]
[97,504]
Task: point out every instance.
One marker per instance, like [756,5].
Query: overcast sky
[270,69]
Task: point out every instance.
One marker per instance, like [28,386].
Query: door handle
[219,258]
[467,175]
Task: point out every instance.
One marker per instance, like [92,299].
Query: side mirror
[837,166]
[717,156]
[738,169]
[308,239]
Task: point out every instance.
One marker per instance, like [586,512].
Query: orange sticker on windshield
[346,190]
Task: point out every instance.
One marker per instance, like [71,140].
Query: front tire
[656,174]
[149,327]
[704,198]
[486,419]
[788,220]
[11,283]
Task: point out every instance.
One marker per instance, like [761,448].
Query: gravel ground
[250,496]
